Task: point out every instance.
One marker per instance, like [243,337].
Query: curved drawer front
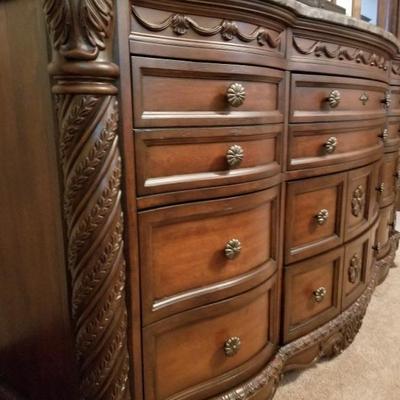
[314,145]
[196,253]
[312,293]
[178,159]
[389,178]
[385,228]
[207,350]
[393,128]
[314,216]
[186,93]
[394,108]
[328,98]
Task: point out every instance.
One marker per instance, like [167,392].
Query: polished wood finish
[224,190]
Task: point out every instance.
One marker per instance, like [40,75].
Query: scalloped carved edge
[90,160]
[332,338]
[181,24]
[319,49]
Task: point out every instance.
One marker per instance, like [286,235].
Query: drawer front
[392,137]
[186,93]
[196,253]
[185,354]
[362,200]
[357,267]
[385,229]
[330,98]
[389,178]
[312,293]
[314,145]
[394,108]
[175,159]
[314,216]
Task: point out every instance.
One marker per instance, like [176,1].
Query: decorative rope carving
[181,24]
[90,160]
[319,49]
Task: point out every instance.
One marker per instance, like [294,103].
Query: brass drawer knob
[233,249]
[381,188]
[322,216]
[232,346]
[354,268]
[387,101]
[236,94]
[334,98]
[319,294]
[364,98]
[384,135]
[234,155]
[330,145]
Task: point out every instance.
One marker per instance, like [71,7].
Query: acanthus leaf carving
[229,30]
[59,20]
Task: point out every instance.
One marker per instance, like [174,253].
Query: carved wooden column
[81,33]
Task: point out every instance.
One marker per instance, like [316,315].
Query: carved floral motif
[87,113]
[358,201]
[338,52]
[181,24]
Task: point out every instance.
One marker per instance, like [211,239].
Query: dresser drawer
[187,93]
[392,134]
[177,159]
[196,253]
[385,228]
[388,181]
[312,293]
[394,108]
[357,267]
[330,98]
[190,352]
[362,200]
[315,145]
[314,216]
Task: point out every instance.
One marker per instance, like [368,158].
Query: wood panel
[183,251]
[184,93]
[389,178]
[189,158]
[171,345]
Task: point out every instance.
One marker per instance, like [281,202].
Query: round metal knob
[236,94]
[384,135]
[319,294]
[330,145]
[234,155]
[232,346]
[322,216]
[233,249]
[387,101]
[364,98]
[381,188]
[334,98]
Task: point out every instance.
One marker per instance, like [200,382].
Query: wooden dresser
[228,172]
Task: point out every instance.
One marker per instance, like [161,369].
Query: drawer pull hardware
[234,155]
[233,249]
[357,201]
[354,268]
[322,216]
[319,294]
[384,135]
[377,248]
[236,94]
[232,346]
[330,145]
[364,98]
[387,101]
[381,188]
[334,98]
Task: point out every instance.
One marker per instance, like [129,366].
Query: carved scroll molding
[87,112]
[332,338]
[332,51]
[227,29]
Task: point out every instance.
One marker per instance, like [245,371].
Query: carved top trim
[319,49]
[181,24]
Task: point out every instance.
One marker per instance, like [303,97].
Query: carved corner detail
[90,161]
